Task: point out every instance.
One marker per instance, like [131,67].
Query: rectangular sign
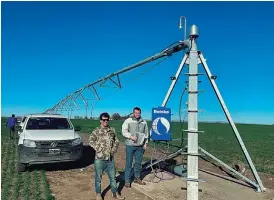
[161,121]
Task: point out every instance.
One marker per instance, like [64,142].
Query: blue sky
[50,49]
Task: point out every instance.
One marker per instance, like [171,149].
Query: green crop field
[218,139]
[30,185]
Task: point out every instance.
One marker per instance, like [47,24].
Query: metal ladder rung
[200,110]
[194,92]
[193,131]
[188,81]
[194,180]
[197,74]
[191,154]
[192,110]
[189,110]
[176,139]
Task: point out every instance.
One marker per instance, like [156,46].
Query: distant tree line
[117,116]
[114,116]
[81,117]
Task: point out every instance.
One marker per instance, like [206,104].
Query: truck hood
[50,134]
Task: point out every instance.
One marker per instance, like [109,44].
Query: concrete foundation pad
[214,188]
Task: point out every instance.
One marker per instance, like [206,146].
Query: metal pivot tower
[193,58]
[192,150]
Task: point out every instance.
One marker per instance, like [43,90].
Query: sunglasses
[105,120]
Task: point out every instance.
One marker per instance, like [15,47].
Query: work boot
[139,181]
[99,196]
[127,185]
[117,196]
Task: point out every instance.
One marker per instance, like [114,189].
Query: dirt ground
[76,181]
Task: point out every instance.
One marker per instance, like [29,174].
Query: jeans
[109,167]
[135,152]
[12,132]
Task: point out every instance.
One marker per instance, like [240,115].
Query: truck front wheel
[21,167]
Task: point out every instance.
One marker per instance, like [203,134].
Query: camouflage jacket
[104,141]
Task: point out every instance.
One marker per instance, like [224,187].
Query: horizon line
[178,121]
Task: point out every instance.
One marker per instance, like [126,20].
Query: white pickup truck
[46,138]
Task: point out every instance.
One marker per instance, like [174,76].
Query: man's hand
[134,138]
[145,146]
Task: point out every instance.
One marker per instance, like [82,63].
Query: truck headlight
[76,141]
[29,143]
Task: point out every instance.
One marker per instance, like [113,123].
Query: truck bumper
[33,155]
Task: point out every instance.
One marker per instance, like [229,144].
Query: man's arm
[146,133]
[125,131]
[93,139]
[116,143]
[7,122]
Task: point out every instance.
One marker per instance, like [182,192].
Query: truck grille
[46,154]
[53,144]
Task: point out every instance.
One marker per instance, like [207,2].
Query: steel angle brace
[230,168]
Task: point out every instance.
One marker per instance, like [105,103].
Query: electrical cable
[167,150]
[158,170]
[170,45]
[180,116]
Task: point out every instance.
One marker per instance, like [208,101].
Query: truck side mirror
[77,128]
[20,128]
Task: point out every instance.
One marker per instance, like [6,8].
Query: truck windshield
[35,123]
